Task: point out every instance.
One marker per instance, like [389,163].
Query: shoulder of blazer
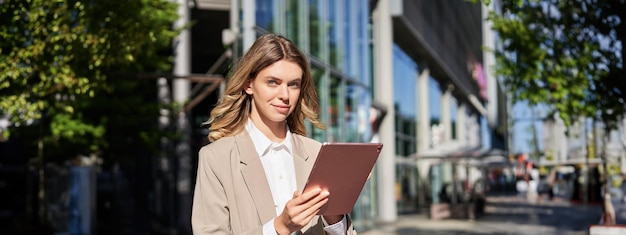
[306,140]
[310,146]
[226,145]
[219,147]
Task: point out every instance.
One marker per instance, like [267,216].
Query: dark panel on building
[206,41]
[206,38]
[444,35]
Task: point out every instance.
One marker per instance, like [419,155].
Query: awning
[475,157]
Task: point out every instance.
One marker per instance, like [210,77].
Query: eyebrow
[277,78]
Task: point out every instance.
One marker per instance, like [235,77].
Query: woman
[250,178]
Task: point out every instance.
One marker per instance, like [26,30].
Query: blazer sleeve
[316,227]
[210,212]
[351,230]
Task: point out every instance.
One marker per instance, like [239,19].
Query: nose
[283,94]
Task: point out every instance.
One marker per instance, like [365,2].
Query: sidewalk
[420,224]
[503,215]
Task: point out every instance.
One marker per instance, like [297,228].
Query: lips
[283,109]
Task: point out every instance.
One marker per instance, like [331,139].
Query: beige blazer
[232,195]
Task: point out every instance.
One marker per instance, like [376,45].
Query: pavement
[504,214]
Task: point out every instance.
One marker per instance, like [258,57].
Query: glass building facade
[335,35]
[405,72]
[418,83]
[435,102]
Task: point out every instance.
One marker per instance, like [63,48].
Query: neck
[275,131]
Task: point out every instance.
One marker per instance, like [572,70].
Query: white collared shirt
[277,160]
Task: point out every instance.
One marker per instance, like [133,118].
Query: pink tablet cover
[343,169]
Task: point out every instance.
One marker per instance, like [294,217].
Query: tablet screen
[343,169]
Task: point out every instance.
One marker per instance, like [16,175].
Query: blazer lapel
[301,161]
[254,177]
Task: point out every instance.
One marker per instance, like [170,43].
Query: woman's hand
[300,210]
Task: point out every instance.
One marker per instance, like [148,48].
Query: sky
[523,119]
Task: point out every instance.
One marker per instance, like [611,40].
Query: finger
[296,194]
[316,198]
[310,216]
[301,207]
[318,201]
[307,196]
[307,212]
[301,215]
[300,202]
[312,192]
[314,209]
[307,208]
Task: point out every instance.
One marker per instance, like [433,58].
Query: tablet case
[343,169]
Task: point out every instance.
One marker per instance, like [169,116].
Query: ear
[247,87]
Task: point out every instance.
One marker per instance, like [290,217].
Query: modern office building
[442,98]
[411,74]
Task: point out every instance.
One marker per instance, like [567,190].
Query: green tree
[565,54]
[67,68]
[57,55]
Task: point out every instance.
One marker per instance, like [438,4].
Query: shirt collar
[262,144]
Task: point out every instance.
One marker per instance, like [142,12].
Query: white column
[383,93]
[489,61]
[423,120]
[474,138]
[234,30]
[181,92]
[423,133]
[461,124]
[249,20]
[445,114]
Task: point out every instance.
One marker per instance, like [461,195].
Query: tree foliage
[566,54]
[60,66]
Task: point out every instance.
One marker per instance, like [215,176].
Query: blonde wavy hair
[233,110]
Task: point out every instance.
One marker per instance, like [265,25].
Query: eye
[295,84]
[272,82]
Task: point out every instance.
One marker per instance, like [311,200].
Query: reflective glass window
[318,78]
[348,36]
[316,22]
[356,113]
[335,110]
[405,102]
[292,20]
[434,108]
[363,41]
[333,35]
[265,14]
[407,176]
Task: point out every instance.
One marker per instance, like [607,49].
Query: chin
[279,119]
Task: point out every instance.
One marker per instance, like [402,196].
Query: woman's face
[275,92]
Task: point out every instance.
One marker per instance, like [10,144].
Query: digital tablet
[342,169]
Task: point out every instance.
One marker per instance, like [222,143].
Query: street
[504,214]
